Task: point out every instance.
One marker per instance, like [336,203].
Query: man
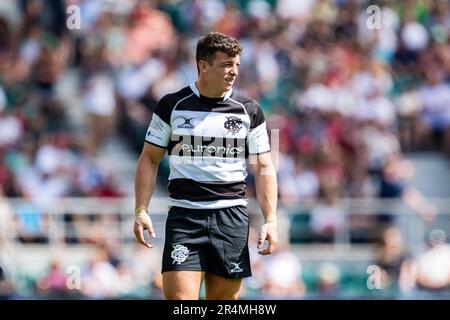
[209,133]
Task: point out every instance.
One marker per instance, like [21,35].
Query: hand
[268,232]
[142,221]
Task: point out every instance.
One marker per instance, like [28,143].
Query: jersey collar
[197,93]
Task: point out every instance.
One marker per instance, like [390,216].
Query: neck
[205,90]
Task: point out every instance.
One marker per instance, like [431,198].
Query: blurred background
[360,96]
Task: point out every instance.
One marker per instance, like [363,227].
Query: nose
[234,71]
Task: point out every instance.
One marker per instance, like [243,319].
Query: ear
[203,66]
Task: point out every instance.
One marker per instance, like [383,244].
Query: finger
[139,234]
[151,231]
[262,238]
[272,245]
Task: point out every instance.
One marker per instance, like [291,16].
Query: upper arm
[261,164]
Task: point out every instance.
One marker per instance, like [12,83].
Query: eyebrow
[229,61]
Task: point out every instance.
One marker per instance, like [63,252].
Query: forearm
[145,182]
[266,191]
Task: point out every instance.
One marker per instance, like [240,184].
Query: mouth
[230,80]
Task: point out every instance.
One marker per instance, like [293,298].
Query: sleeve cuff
[156,145]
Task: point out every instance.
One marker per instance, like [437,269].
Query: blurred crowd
[348,92]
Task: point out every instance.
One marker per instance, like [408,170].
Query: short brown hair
[212,42]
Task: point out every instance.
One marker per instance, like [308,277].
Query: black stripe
[156,145]
[259,153]
[197,104]
[187,189]
[200,146]
[253,109]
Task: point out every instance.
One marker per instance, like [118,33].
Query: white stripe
[216,204]
[207,169]
[258,140]
[228,94]
[158,132]
[194,88]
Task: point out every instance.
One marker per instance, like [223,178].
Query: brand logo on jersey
[179,253]
[187,123]
[217,150]
[236,267]
[233,124]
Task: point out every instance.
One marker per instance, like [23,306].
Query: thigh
[182,285]
[219,288]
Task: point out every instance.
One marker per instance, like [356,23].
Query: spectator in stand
[328,279]
[435,116]
[395,262]
[396,171]
[431,269]
[54,283]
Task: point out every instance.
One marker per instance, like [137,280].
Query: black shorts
[211,240]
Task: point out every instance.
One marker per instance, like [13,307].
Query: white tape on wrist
[142,218]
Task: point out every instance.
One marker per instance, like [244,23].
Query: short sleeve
[159,130]
[257,138]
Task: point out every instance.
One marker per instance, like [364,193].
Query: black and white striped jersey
[208,141]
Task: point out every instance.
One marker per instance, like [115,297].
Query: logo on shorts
[233,124]
[236,267]
[179,253]
[187,123]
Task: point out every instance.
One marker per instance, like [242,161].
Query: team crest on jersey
[233,124]
[187,123]
[179,253]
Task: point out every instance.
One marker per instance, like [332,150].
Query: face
[221,72]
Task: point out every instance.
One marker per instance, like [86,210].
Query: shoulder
[169,101]
[173,98]
[250,104]
[252,108]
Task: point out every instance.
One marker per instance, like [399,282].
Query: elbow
[265,170]
[147,162]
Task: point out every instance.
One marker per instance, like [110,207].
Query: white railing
[159,205]
[56,211]
[112,220]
